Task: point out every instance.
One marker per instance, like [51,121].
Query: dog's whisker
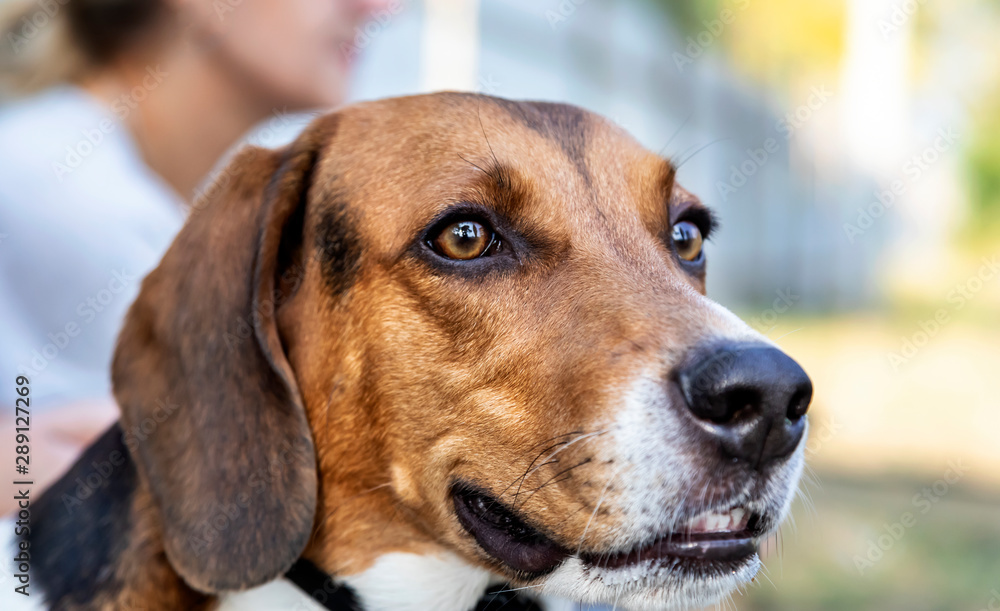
[520,479]
[322,522]
[520,588]
[789,333]
[570,443]
[677,132]
[551,439]
[496,161]
[618,597]
[472,164]
[565,474]
[672,524]
[528,471]
[532,468]
[598,506]
[791,524]
[698,150]
[781,554]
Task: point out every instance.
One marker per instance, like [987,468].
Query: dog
[436,344]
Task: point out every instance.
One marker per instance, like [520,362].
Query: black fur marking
[567,125]
[289,270]
[506,598]
[338,246]
[322,588]
[79,525]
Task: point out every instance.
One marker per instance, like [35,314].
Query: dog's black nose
[751,397]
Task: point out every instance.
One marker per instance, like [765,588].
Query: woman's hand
[57,438]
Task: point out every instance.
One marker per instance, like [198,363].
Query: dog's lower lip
[717,547]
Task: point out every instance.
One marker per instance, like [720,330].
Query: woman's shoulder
[62,143]
[49,118]
[55,133]
[68,167]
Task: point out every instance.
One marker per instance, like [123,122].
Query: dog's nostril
[740,404]
[799,404]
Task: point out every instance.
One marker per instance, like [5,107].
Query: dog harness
[322,588]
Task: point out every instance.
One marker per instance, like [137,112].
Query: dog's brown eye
[463,240]
[687,240]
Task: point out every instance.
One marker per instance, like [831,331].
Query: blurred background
[852,149]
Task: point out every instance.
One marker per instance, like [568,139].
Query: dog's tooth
[737,516]
[699,524]
[710,522]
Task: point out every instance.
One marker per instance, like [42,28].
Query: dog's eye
[687,240]
[463,240]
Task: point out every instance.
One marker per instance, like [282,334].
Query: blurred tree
[688,14]
[983,167]
[771,40]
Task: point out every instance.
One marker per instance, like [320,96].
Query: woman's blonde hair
[46,42]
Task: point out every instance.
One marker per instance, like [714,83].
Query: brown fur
[293,314]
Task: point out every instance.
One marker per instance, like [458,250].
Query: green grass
[949,560]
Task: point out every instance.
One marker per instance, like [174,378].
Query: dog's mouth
[711,537]
[504,535]
[722,538]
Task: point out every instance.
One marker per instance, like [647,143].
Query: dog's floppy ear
[210,407]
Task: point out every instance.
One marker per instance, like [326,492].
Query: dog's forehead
[398,163]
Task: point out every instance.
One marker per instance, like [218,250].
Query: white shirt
[82,220]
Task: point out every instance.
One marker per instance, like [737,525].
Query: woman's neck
[182,109]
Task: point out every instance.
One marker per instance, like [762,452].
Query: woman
[129,105]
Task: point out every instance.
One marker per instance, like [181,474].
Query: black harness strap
[321,587]
[337,597]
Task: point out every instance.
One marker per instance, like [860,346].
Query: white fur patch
[412,582]
[278,595]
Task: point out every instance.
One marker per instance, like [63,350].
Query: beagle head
[456,326]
